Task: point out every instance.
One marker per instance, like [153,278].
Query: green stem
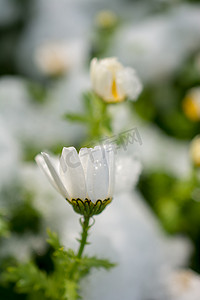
[83,242]
[84,235]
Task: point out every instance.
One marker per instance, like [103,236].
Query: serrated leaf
[27,277]
[94,262]
[71,290]
[53,239]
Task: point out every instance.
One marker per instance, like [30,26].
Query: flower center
[191,109]
[114,89]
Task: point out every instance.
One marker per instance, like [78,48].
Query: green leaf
[53,239]
[63,281]
[72,117]
[27,277]
[71,290]
[88,103]
[94,262]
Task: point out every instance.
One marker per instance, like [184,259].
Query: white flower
[113,82]
[195,151]
[56,58]
[52,58]
[86,179]
[184,285]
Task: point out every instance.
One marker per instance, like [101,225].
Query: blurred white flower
[191,104]
[184,285]
[195,151]
[84,178]
[112,81]
[57,58]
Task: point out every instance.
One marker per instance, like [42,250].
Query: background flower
[112,81]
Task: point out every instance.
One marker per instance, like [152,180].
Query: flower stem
[84,235]
[83,242]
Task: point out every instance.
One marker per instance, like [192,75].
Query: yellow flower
[112,81]
[195,151]
[191,104]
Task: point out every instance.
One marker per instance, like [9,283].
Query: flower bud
[106,19]
[112,81]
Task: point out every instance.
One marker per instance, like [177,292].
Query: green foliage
[102,39]
[25,218]
[27,277]
[93,262]
[37,92]
[53,239]
[96,117]
[4,226]
[172,199]
[63,282]
[19,213]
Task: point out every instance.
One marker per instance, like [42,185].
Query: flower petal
[84,155]
[101,78]
[97,177]
[72,173]
[110,155]
[128,83]
[42,164]
[47,166]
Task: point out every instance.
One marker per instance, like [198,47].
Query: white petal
[103,82]
[110,155]
[51,173]
[42,164]
[93,66]
[72,173]
[101,78]
[84,154]
[97,179]
[128,83]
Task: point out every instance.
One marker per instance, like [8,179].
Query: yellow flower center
[114,92]
[114,89]
[191,109]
